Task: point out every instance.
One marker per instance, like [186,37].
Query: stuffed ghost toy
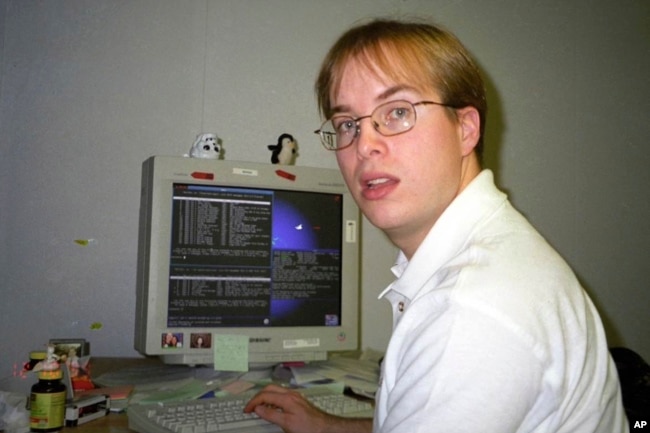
[206,146]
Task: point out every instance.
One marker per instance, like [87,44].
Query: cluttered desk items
[136,392]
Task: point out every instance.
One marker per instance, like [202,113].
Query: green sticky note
[230,352]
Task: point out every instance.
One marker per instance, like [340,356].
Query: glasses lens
[338,132]
[394,117]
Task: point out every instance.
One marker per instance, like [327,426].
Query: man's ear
[469,121]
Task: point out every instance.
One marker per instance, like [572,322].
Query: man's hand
[294,414]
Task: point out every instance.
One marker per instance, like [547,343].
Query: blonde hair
[423,55]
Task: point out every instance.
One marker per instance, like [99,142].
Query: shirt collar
[448,236]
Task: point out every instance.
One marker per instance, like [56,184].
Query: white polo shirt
[492,332]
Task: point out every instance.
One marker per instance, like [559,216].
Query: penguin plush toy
[284,151]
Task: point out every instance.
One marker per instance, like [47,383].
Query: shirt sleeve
[459,372]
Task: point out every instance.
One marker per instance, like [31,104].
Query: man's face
[403,183]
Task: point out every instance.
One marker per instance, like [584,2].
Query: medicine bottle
[47,402]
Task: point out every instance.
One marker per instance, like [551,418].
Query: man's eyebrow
[386,94]
[393,90]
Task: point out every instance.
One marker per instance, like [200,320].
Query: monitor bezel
[267,345]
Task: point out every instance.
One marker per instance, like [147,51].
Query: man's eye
[399,113]
[344,126]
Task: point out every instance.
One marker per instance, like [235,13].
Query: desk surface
[113,422]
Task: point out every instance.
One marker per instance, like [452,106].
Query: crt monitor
[261,251]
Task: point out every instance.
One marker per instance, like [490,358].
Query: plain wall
[90,89]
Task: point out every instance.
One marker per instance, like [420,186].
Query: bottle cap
[37,355]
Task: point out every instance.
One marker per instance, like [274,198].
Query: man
[491,330]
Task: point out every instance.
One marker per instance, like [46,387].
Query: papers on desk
[361,376]
[164,383]
[119,395]
[181,390]
[167,384]
[144,374]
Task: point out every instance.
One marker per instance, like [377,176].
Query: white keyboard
[226,414]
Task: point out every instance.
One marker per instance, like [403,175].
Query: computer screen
[261,251]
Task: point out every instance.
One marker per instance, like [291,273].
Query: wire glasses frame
[390,118]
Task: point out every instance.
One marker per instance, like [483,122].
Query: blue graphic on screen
[305,234]
[291,229]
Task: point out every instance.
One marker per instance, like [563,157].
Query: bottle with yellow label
[47,402]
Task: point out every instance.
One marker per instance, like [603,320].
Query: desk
[113,422]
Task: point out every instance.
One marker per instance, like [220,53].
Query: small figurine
[72,361]
[206,146]
[51,361]
[284,151]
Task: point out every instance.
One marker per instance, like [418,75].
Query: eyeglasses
[390,118]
